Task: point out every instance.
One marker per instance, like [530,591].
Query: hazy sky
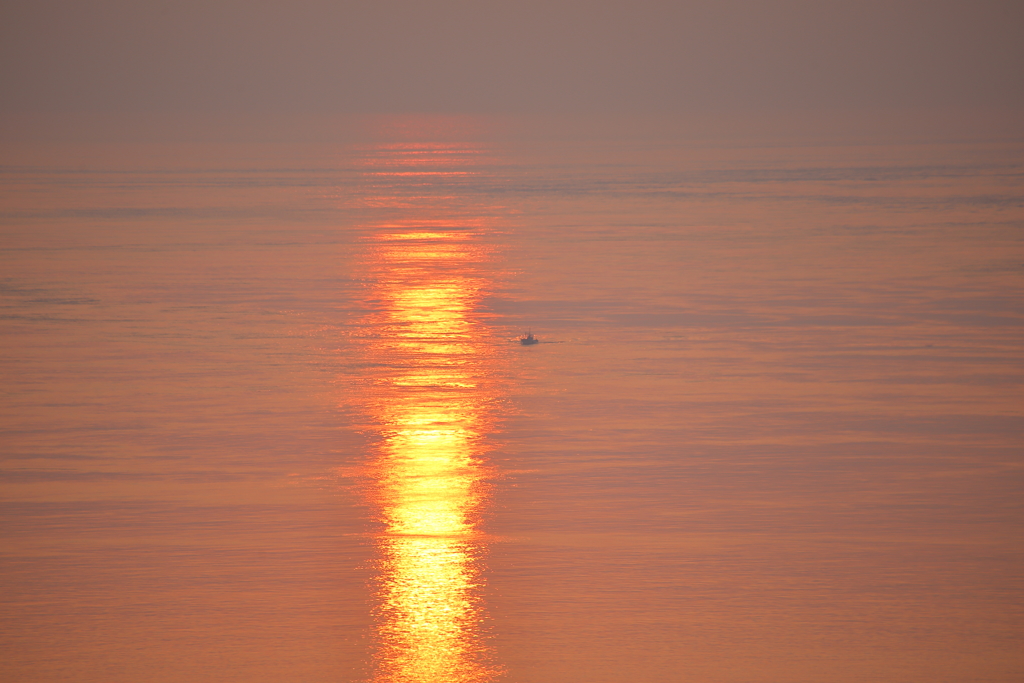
[737,56]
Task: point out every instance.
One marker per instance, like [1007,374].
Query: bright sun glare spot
[432,409]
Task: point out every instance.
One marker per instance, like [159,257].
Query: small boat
[528,339]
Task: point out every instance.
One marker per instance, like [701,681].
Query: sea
[267,417]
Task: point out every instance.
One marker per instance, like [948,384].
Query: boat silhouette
[528,339]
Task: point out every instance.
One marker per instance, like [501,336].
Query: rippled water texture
[266,417]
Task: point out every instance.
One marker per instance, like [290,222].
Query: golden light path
[432,403]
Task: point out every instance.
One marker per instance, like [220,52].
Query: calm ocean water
[266,416]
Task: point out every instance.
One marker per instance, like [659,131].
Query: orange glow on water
[431,403]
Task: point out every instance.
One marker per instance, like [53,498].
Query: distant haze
[728,58]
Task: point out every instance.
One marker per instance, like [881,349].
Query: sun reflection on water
[432,403]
